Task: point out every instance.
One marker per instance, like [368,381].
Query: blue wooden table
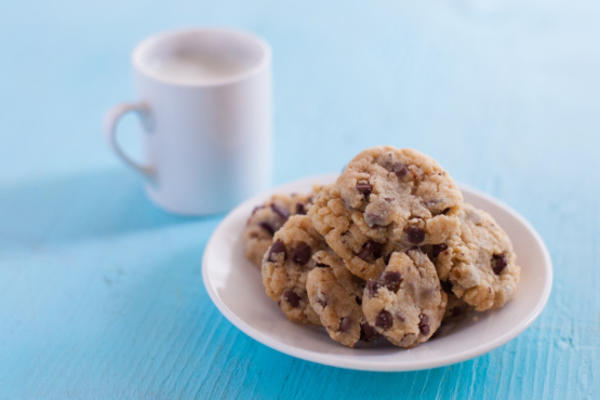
[100,293]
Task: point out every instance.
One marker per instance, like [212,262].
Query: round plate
[235,287]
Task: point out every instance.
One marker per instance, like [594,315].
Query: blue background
[100,292]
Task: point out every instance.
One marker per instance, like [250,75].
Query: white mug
[205,106]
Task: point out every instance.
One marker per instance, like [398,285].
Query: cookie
[386,199]
[405,303]
[363,256]
[401,196]
[479,262]
[336,295]
[286,264]
[351,283]
[336,306]
[266,219]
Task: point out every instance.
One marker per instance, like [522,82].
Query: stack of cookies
[390,249]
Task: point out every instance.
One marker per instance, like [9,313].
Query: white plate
[235,287]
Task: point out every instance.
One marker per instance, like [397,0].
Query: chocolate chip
[370,251]
[322,300]
[301,254]
[424,324]
[384,320]
[367,332]
[377,249]
[364,187]
[386,259]
[446,286]
[321,265]
[415,234]
[358,300]
[436,249]
[300,209]
[373,286]
[281,211]
[446,210]
[499,262]
[345,324]
[365,252]
[267,227]
[276,248]
[292,298]
[392,280]
[399,169]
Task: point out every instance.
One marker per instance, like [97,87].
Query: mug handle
[112,119]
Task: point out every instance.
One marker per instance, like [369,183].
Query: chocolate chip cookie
[337,307]
[363,256]
[266,219]
[352,293]
[400,196]
[479,262]
[405,303]
[286,264]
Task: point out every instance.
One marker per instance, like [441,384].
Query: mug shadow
[78,207]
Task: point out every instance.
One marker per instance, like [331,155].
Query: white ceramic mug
[205,106]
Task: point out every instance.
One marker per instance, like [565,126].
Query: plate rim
[357,364]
